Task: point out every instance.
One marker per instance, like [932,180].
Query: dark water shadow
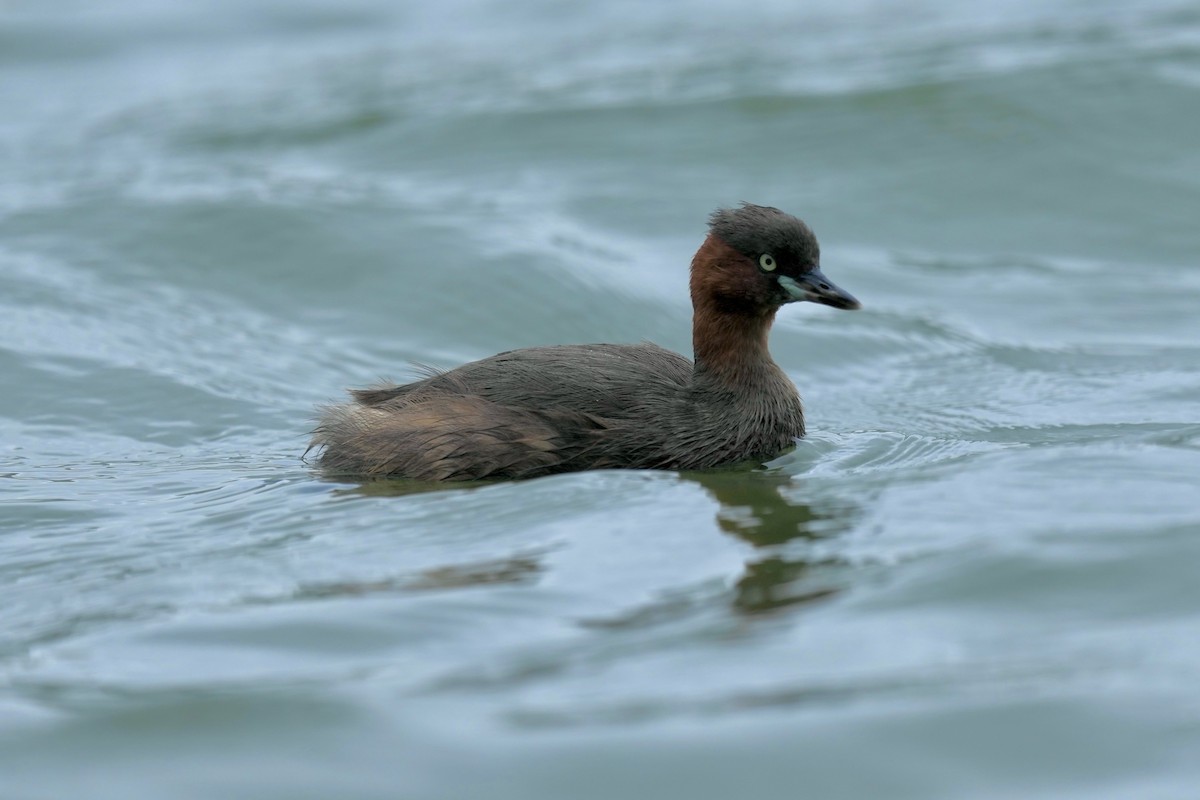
[516,570]
[757,507]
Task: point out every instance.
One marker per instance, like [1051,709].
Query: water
[976,577]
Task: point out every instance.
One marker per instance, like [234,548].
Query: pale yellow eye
[767,262]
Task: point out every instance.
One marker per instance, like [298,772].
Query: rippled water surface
[975,578]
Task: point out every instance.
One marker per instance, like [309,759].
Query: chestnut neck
[729,326]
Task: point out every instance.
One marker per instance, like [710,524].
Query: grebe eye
[767,262]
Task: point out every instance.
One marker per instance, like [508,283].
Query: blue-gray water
[976,578]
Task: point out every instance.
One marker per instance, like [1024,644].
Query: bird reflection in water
[756,508]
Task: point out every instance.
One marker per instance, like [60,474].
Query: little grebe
[542,410]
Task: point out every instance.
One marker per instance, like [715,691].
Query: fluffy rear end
[450,438]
